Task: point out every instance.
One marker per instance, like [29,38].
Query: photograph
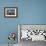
[10,12]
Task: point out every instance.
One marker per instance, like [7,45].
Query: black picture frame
[10,12]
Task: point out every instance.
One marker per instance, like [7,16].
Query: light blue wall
[29,12]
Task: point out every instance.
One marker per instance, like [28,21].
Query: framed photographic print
[11,12]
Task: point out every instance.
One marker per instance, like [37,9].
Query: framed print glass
[11,12]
